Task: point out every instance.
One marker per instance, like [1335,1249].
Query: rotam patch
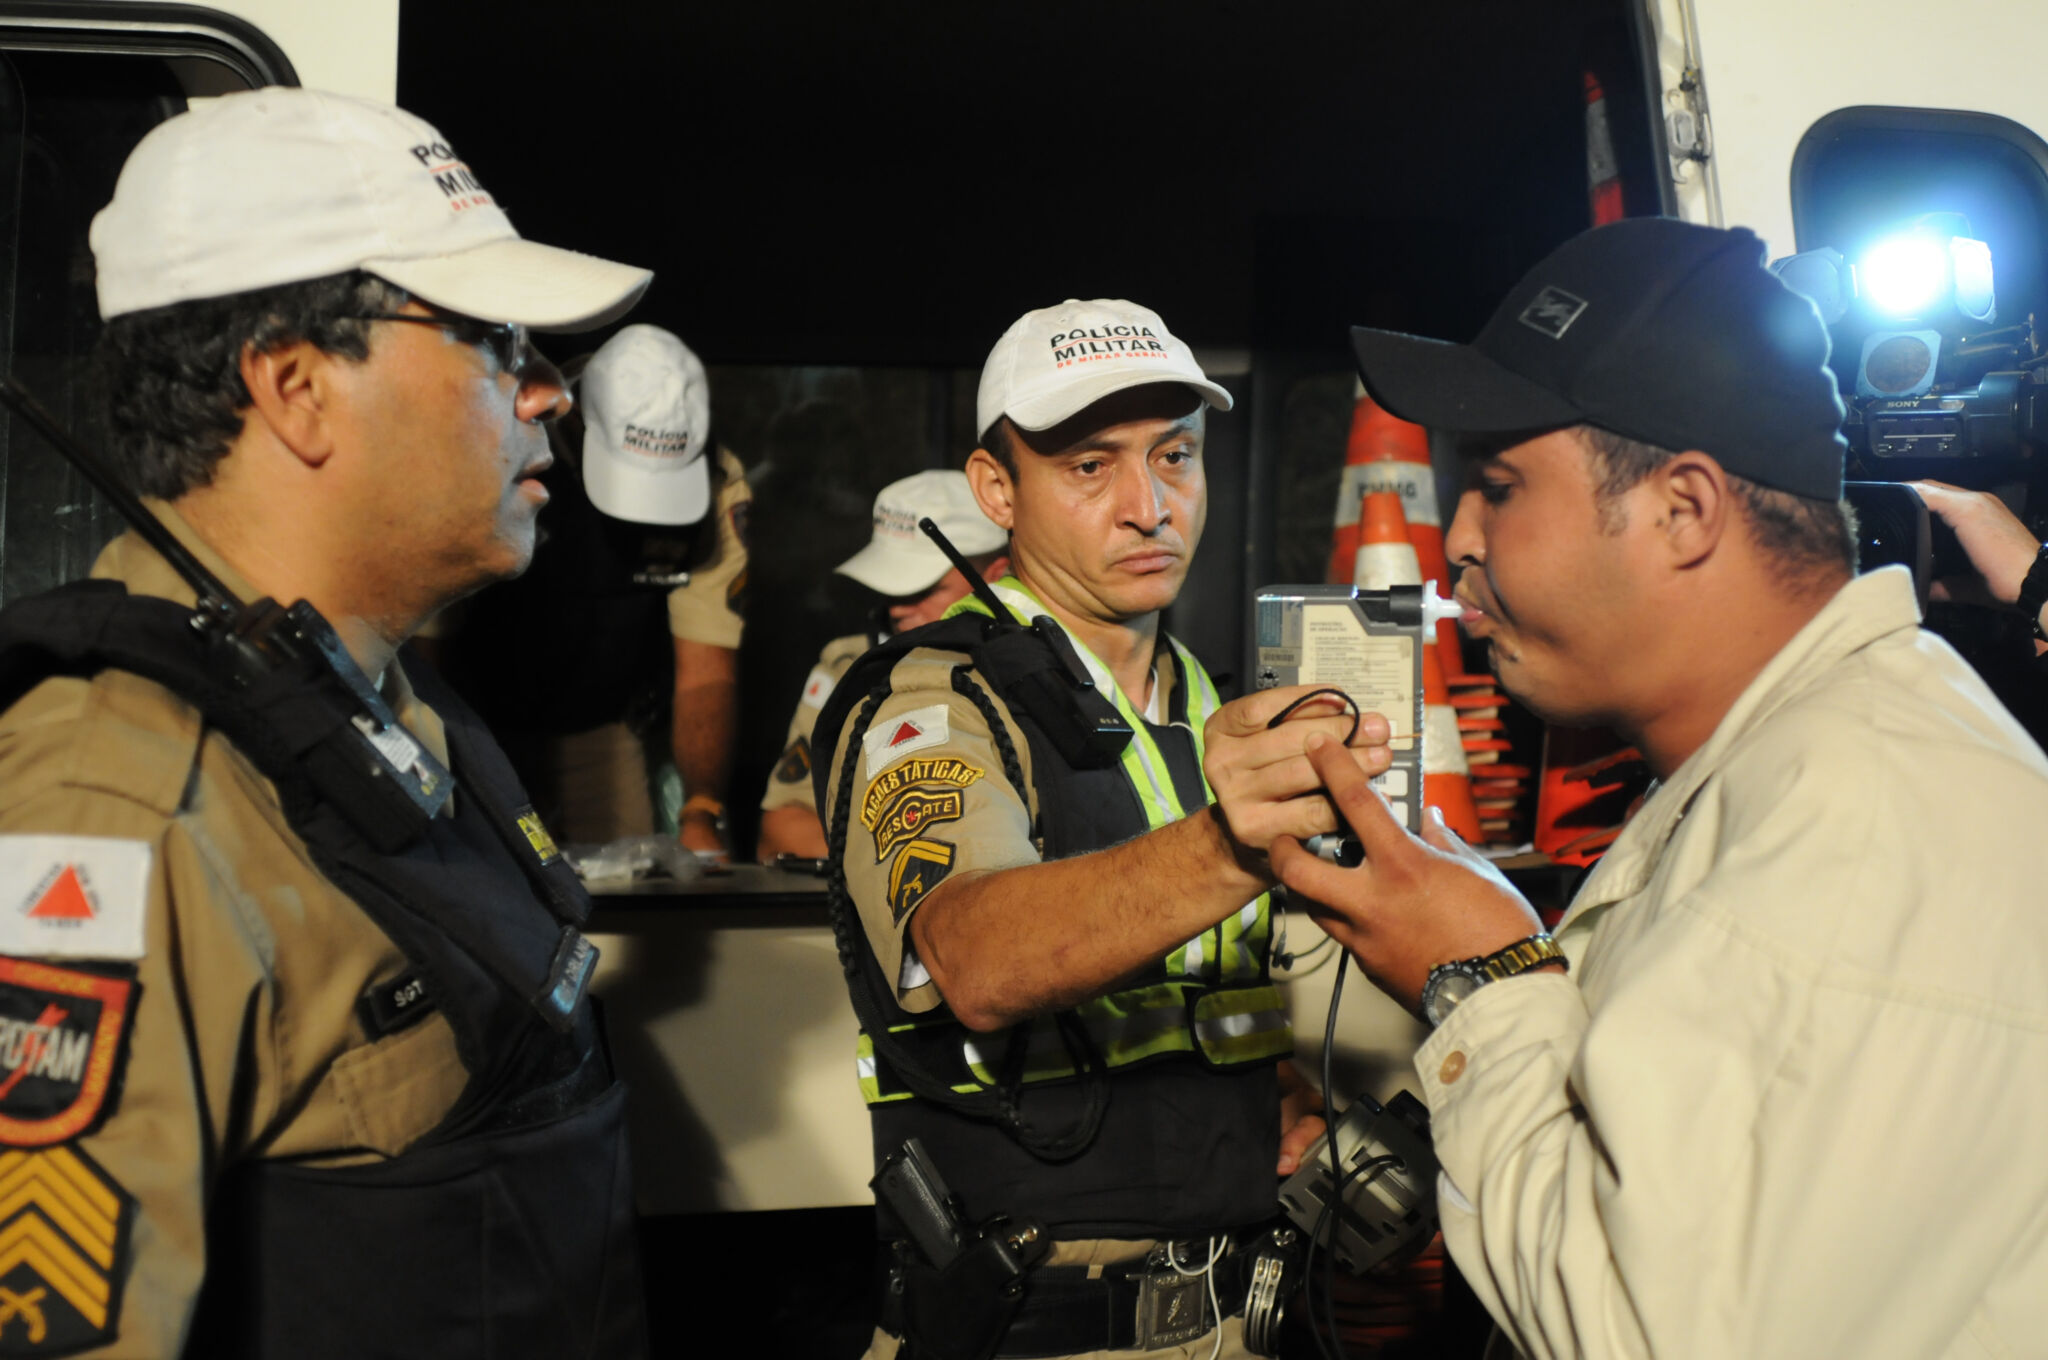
[73,897]
[63,1043]
[892,739]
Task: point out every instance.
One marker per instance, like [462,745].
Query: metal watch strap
[1442,992]
[1521,956]
[2034,592]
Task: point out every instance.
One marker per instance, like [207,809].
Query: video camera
[1935,378]
[1934,385]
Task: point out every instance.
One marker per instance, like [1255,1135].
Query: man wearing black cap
[1811,969]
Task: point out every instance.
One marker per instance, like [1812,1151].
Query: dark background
[893,184]
[845,206]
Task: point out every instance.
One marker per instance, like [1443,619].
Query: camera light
[1971,261]
[1822,277]
[1906,275]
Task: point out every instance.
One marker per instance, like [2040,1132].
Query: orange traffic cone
[1499,792]
[1446,780]
[1385,557]
[1386,453]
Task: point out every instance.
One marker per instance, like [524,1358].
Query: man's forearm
[1007,944]
[791,829]
[705,710]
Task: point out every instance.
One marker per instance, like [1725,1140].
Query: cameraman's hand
[2000,547]
[1263,782]
[1415,902]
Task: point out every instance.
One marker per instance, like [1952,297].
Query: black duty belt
[1125,1306]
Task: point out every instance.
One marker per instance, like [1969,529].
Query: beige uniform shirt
[790,783]
[707,607]
[929,798]
[1790,1100]
[245,1040]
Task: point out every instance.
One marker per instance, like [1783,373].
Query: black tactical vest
[1182,1148]
[508,1230]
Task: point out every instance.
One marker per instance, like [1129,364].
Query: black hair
[173,378]
[1803,536]
[1000,441]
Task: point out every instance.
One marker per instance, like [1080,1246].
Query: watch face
[1445,990]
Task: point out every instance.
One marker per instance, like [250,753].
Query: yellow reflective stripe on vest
[1241,1025]
[1227,1027]
[870,1081]
[1234,949]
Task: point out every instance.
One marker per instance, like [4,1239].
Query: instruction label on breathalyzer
[1376,670]
[1367,643]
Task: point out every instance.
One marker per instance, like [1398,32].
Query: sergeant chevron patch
[922,866]
[64,1227]
[795,765]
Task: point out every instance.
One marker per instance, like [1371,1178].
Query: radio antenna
[983,591]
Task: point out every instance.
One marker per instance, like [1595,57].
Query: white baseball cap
[1055,361]
[899,559]
[278,185]
[646,420]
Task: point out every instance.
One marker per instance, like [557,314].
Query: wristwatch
[703,802]
[1451,983]
[2034,592]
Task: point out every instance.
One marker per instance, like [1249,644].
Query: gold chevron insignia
[63,1236]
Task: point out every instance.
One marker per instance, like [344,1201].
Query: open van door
[81,81]
[1742,81]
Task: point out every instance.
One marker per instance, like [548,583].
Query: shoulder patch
[922,866]
[64,1248]
[63,1043]
[892,739]
[73,897]
[795,765]
[818,687]
[913,796]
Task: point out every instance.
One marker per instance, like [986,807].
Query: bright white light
[1905,275]
[1975,297]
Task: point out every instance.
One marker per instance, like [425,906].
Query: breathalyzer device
[1368,644]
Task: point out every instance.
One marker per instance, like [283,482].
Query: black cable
[1330,1144]
[1357,713]
[1332,1348]
[1325,1218]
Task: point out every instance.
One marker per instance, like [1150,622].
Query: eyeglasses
[504,341]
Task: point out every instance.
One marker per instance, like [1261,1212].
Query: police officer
[281,1081]
[1060,963]
[918,584]
[637,586]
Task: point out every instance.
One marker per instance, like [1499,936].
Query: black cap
[1660,330]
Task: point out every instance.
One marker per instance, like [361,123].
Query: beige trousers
[590,787]
[884,1347]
